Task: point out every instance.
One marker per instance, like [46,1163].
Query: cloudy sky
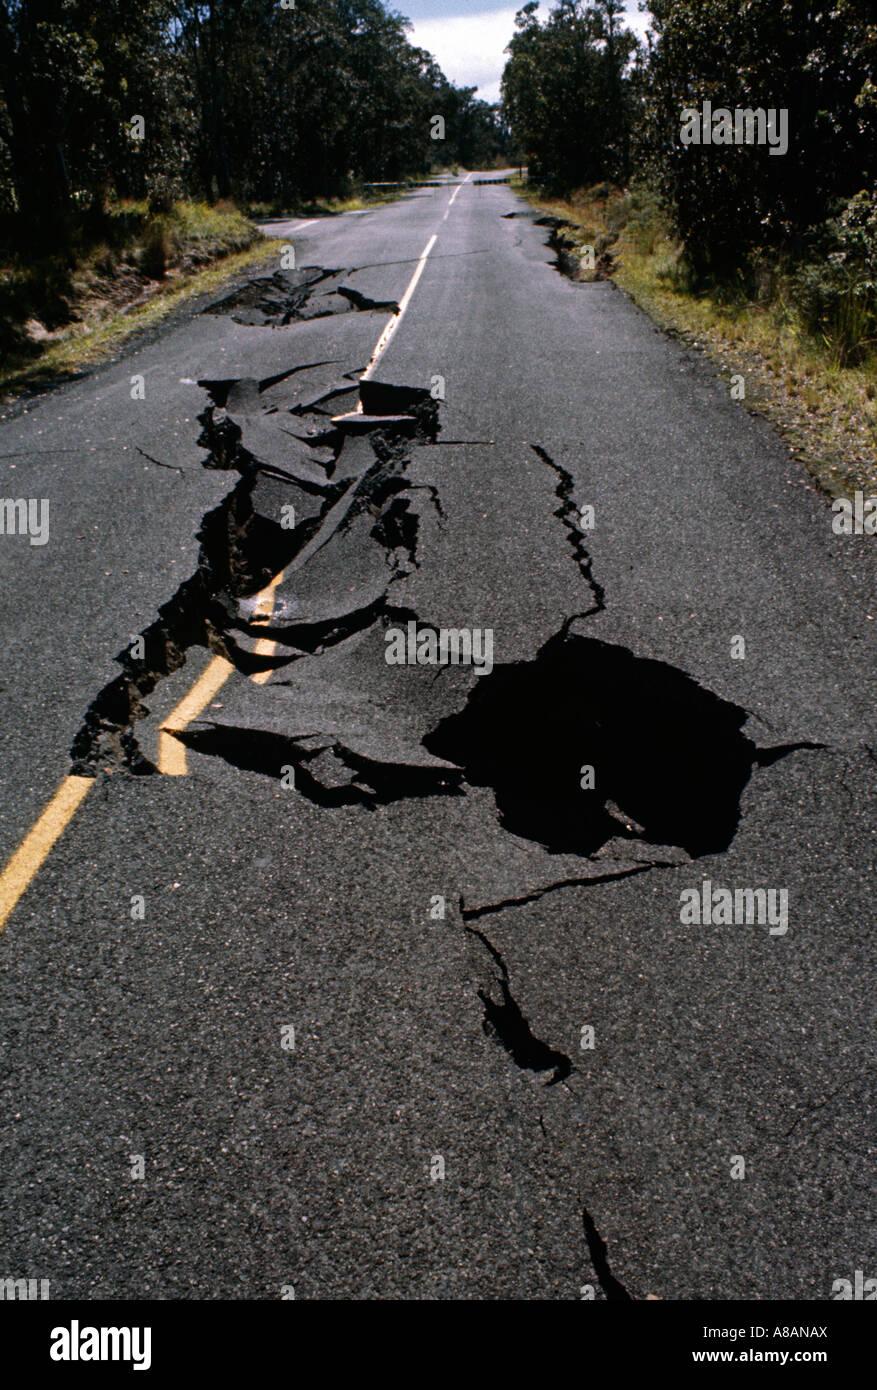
[467,37]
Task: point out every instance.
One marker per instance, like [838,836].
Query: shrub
[836,294]
[157,250]
[165,193]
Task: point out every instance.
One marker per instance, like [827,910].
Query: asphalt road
[243,1051]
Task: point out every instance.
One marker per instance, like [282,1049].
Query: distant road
[372,980]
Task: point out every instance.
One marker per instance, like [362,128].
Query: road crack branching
[504,1021]
[568,513]
[585,744]
[243,542]
[472,914]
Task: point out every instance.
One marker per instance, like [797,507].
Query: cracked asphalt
[514,1071]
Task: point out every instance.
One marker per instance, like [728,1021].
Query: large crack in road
[342,473]
[667,759]
[504,1020]
[292,296]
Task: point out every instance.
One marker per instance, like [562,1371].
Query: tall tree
[817,62]
[566,93]
[39,62]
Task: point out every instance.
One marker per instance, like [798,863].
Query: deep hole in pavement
[664,750]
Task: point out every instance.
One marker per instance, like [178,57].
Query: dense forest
[272,100]
[586,102]
[106,104]
[282,100]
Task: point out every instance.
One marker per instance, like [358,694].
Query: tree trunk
[38,171]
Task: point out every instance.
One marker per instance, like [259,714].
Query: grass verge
[320,207]
[60,315]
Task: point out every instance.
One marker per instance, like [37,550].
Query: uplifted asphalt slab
[393,995]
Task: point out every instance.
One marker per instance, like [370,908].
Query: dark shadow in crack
[504,1021]
[612,1287]
[309,638]
[289,296]
[665,751]
[344,778]
[567,250]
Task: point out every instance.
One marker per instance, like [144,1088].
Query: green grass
[199,232]
[127,271]
[826,411]
[318,207]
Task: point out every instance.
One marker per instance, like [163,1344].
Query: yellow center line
[37,844]
[41,839]
[264,608]
[34,848]
[171,753]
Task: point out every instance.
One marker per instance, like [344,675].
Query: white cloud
[469,48]
[636,20]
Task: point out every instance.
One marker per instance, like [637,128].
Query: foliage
[41,296]
[567,99]
[816,62]
[836,295]
[238,98]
